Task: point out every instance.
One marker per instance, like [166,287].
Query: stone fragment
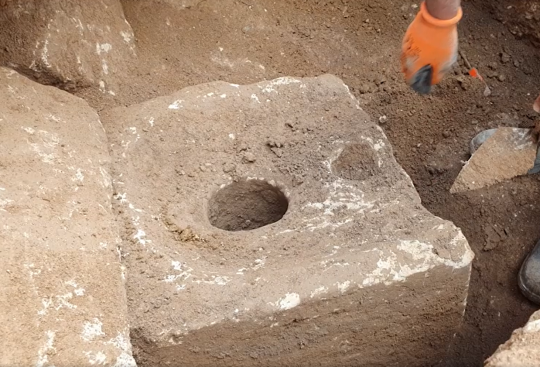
[507,153]
[322,254]
[71,44]
[522,349]
[62,297]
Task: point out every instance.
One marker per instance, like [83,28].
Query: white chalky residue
[106,180]
[357,104]
[105,67]
[290,300]
[122,343]
[259,263]
[320,290]
[177,265]
[344,286]
[140,236]
[255,98]
[46,149]
[79,291]
[341,196]
[127,36]
[56,302]
[96,358]
[532,327]
[103,48]
[185,272]
[176,105]
[79,177]
[390,269]
[44,351]
[269,87]
[92,330]
[214,280]
[45,52]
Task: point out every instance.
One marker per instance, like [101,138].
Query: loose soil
[244,41]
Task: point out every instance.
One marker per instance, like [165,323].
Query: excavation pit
[342,254]
[247,204]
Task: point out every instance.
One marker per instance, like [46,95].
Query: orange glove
[429,49]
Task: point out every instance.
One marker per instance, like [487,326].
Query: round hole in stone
[247,204]
[357,161]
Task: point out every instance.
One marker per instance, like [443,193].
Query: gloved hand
[430,48]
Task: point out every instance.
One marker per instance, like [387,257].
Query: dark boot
[529,275]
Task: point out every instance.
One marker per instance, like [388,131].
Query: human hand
[430,48]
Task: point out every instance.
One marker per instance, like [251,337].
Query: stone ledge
[63,299]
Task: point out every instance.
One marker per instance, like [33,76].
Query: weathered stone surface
[523,348]
[355,268]
[62,296]
[508,153]
[67,43]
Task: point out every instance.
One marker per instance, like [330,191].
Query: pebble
[364,88]
[505,57]
[229,167]
[383,119]
[502,78]
[250,157]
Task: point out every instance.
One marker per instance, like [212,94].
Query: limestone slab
[355,273]
[523,348]
[62,296]
[508,153]
[71,44]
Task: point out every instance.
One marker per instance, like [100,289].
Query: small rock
[274,144]
[504,57]
[446,134]
[364,88]
[502,78]
[493,65]
[383,119]
[242,147]
[229,167]
[249,157]
[380,80]
[277,152]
